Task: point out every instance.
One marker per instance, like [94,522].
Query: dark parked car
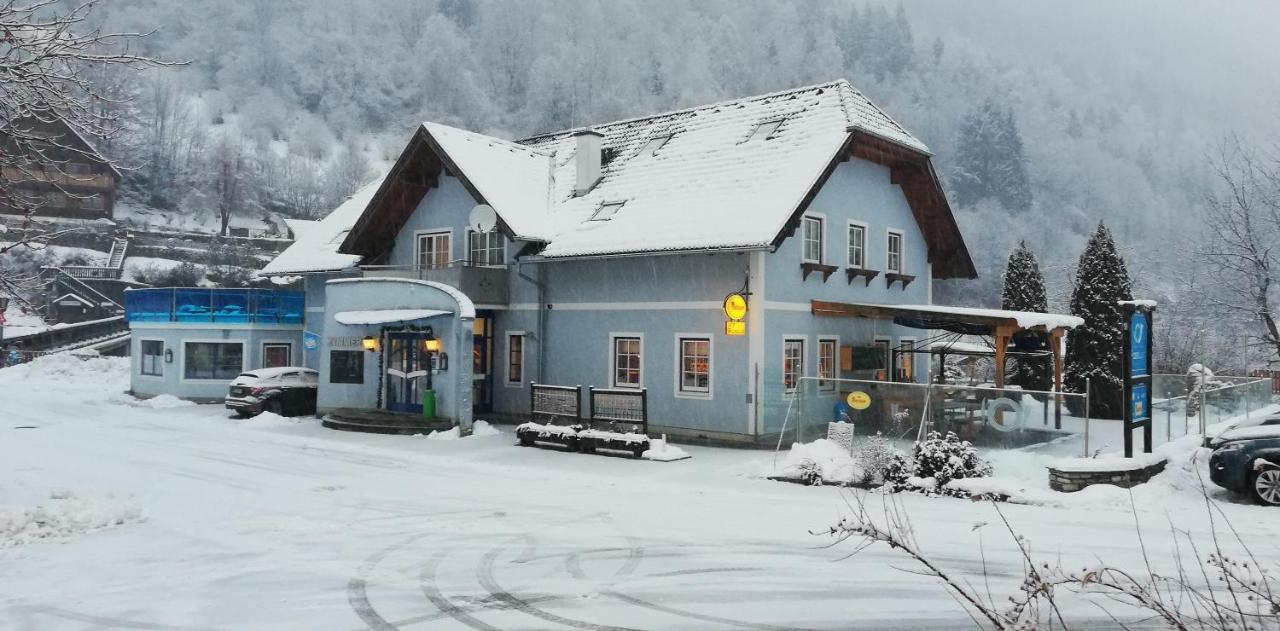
[289,391]
[1247,460]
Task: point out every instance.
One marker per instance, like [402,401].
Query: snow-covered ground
[175,516]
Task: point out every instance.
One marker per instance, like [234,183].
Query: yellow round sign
[858,400]
[735,307]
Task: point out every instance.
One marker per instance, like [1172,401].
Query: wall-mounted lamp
[370,343]
[432,345]
[168,355]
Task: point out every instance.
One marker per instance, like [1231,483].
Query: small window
[212,360]
[626,362]
[857,246]
[607,211]
[276,355]
[92,202]
[55,198]
[766,130]
[346,366]
[882,347]
[433,250]
[515,358]
[653,145]
[152,358]
[827,364]
[486,249]
[812,240]
[792,363]
[76,168]
[695,365]
[893,260]
[906,364]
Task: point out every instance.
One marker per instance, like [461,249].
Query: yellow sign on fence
[858,400]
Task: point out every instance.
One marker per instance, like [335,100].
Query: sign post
[1137,372]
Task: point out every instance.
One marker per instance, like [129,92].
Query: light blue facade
[175,337]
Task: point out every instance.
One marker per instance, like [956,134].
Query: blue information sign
[1138,332]
[310,341]
[1139,402]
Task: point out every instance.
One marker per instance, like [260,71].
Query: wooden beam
[1003,333]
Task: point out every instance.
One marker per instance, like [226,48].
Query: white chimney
[588,158]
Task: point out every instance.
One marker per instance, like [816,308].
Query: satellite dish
[482,218]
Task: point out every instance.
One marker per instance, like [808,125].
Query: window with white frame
[893,253]
[792,363]
[515,358]
[152,363]
[811,240]
[433,250]
[486,248]
[857,245]
[905,367]
[827,363]
[695,365]
[626,362]
[277,354]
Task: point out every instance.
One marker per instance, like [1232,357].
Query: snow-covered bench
[617,420]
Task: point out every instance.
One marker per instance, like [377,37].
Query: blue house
[607,256]
[713,258]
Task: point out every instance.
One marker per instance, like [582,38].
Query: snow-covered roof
[386,316]
[511,177]
[713,184]
[706,177]
[317,249]
[299,227]
[1025,319]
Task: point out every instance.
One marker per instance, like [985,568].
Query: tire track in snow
[358,586]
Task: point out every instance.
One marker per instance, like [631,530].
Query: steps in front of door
[379,422]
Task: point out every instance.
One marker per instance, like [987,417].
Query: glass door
[482,364]
[407,372]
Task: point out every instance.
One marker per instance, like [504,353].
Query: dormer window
[607,211]
[766,130]
[340,237]
[654,145]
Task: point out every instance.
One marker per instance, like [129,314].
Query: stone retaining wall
[1071,481]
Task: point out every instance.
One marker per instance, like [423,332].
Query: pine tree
[1024,291]
[992,162]
[1094,350]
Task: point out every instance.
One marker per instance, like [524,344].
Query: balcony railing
[483,284]
[87,271]
[197,305]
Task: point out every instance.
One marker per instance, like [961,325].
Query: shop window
[906,361]
[695,365]
[212,360]
[346,367]
[152,363]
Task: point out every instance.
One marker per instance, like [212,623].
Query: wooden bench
[617,420]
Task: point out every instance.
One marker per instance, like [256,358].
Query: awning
[962,320]
[387,316]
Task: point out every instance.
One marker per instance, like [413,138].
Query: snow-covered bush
[934,462]
[877,458]
[185,274]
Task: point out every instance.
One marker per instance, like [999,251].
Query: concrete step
[384,423]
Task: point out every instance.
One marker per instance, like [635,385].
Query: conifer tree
[1024,291]
[1094,350]
[992,160]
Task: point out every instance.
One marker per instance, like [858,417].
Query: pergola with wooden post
[1000,325]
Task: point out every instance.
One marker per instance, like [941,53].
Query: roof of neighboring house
[86,146]
[317,249]
[703,178]
[299,227]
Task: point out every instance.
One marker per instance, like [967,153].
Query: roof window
[606,211]
[766,130]
[340,237]
[654,144]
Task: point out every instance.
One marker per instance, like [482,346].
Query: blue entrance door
[408,372]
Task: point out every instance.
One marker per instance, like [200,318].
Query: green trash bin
[428,403]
